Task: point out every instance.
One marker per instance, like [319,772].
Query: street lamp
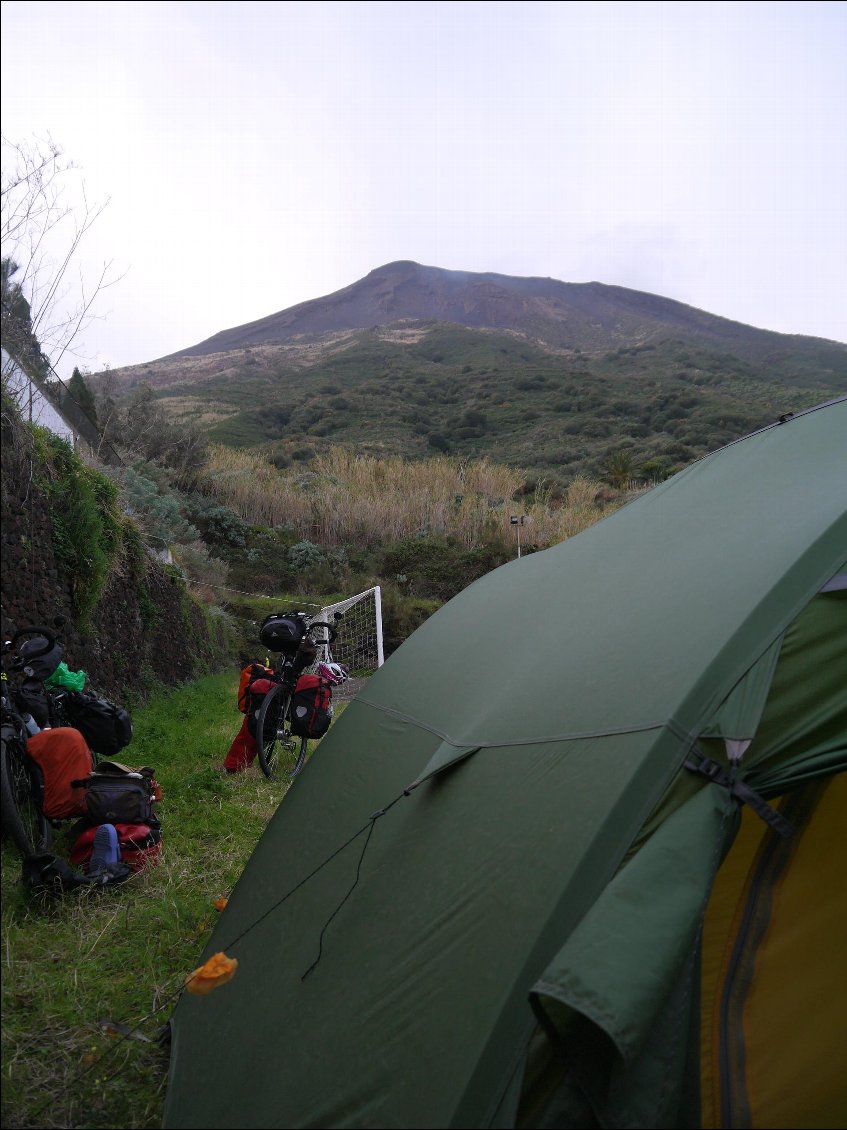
[517,522]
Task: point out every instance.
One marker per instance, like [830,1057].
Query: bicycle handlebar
[332,630]
[18,663]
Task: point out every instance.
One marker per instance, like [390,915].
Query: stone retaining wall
[142,631]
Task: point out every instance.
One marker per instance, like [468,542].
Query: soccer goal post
[358,644]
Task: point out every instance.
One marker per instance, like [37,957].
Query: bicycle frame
[21,782]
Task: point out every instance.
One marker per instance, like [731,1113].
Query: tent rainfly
[575,856]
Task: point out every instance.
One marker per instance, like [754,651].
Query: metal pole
[518,522]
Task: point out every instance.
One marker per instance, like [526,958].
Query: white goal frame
[358,644]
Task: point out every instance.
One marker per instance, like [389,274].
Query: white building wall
[33,406]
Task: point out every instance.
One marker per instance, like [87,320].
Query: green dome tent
[574,856]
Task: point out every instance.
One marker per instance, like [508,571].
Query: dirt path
[348,690]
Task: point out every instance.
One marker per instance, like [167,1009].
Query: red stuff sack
[140,845]
[63,756]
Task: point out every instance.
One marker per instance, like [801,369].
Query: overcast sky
[255,155]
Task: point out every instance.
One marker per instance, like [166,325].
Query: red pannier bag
[311,706]
[255,693]
[249,675]
[140,845]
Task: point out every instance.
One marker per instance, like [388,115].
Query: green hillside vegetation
[398,455]
[475,393]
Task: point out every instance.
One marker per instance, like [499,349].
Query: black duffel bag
[116,794]
[106,726]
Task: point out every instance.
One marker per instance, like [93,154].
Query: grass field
[74,964]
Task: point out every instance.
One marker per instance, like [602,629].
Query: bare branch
[41,238]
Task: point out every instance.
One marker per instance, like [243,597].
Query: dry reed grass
[345,498]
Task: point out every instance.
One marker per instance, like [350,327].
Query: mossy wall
[130,625]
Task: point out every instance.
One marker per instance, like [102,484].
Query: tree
[618,469]
[83,395]
[655,470]
[43,312]
[19,341]
[143,430]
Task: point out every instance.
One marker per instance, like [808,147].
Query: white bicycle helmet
[334,672]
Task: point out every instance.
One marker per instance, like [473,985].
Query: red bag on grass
[140,845]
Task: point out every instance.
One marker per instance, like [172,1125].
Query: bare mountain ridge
[590,317]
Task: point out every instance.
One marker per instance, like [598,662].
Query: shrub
[303,454]
[218,524]
[304,555]
[87,526]
[156,512]
[438,441]
[654,470]
[473,418]
[401,615]
[438,568]
[203,572]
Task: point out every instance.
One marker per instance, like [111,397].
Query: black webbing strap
[743,793]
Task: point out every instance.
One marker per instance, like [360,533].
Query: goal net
[358,644]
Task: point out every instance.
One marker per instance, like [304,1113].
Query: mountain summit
[565,316]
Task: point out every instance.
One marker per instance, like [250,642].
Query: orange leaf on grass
[220,904]
[216,971]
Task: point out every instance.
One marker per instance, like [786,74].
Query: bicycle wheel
[269,727]
[300,747]
[274,739]
[20,807]
[290,745]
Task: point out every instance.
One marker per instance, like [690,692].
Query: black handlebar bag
[282,632]
[116,794]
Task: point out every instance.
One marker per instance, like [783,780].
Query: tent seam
[668,724]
